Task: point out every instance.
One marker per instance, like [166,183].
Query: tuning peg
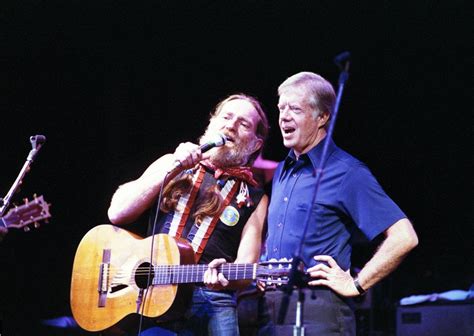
[26,229]
[35,195]
[25,200]
[37,225]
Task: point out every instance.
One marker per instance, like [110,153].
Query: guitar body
[110,269]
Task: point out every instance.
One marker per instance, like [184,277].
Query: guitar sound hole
[141,275]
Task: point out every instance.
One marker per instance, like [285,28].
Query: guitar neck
[176,274]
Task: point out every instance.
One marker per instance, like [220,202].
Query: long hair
[209,203]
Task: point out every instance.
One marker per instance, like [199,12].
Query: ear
[257,145]
[323,119]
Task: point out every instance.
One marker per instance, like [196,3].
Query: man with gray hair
[349,198]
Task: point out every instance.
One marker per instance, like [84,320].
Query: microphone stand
[36,143]
[297,277]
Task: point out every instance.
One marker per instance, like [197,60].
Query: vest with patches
[220,237]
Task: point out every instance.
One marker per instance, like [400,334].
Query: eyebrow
[248,120]
[295,105]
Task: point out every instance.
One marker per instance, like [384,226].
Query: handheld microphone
[216,140]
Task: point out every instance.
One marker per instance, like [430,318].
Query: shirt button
[285,199]
[294,175]
[275,249]
[280,225]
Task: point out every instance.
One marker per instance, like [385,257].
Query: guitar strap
[185,203]
[199,235]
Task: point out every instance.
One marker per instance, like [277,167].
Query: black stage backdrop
[114,85]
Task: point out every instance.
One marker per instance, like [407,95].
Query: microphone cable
[143,299]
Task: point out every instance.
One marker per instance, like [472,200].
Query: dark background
[114,85]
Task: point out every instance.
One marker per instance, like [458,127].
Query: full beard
[235,155]
[224,157]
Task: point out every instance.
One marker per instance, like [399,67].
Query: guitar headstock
[30,212]
[274,272]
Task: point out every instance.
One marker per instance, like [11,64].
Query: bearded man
[213,202]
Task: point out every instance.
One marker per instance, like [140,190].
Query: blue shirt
[348,196]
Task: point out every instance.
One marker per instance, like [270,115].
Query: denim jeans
[212,313]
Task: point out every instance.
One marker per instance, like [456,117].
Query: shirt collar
[313,156]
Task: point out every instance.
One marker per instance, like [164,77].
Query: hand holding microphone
[187,154]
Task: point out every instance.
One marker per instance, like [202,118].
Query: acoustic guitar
[115,275]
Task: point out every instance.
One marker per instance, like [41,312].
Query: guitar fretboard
[175,274]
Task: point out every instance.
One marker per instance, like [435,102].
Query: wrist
[359,288]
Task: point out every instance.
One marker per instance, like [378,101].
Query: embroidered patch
[230,216]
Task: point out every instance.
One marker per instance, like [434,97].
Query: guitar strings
[187,273]
[180,269]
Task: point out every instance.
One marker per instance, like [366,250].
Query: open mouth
[229,138]
[288,130]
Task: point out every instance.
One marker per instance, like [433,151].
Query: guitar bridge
[103,285]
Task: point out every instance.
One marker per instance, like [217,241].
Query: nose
[285,113]
[230,124]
